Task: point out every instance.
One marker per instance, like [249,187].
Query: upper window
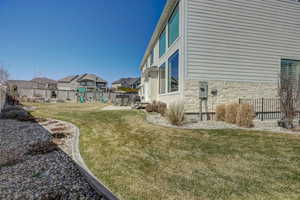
[162,79]
[162,43]
[173,26]
[291,69]
[173,72]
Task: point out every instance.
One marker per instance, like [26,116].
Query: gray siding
[241,40]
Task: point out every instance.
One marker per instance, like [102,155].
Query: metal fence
[123,99]
[264,108]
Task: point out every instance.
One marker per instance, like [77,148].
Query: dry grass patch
[139,161]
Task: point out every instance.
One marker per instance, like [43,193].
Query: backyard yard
[140,161]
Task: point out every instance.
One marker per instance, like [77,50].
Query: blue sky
[56,38]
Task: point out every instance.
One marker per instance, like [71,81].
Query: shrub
[231,112]
[149,107]
[9,157]
[221,112]
[162,107]
[175,113]
[245,116]
[155,105]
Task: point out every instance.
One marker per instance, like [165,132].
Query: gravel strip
[269,125]
[39,176]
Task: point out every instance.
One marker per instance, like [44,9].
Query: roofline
[170,5]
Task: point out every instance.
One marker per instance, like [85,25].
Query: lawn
[140,161]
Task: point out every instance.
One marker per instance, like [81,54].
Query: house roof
[91,77]
[170,5]
[43,80]
[81,77]
[68,79]
[23,84]
[126,81]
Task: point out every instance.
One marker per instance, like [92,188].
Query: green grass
[140,161]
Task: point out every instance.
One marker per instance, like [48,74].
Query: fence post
[239,100]
[262,109]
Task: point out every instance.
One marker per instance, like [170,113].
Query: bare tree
[3,74]
[289,95]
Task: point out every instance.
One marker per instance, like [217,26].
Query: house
[88,81]
[36,83]
[127,83]
[219,51]
[37,87]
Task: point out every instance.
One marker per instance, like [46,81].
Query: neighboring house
[127,83]
[229,49]
[41,86]
[89,81]
[36,83]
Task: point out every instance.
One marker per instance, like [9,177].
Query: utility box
[203,90]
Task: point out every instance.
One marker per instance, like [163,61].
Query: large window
[173,72]
[173,25]
[162,43]
[291,69]
[162,79]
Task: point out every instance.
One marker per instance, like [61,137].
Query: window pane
[162,43]
[174,26]
[162,79]
[151,57]
[290,69]
[173,68]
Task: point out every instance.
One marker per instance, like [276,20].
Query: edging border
[99,187]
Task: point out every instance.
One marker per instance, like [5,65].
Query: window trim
[159,83]
[176,8]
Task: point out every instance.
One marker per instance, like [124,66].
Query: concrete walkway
[117,108]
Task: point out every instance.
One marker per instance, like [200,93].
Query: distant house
[127,83]
[36,83]
[37,87]
[88,81]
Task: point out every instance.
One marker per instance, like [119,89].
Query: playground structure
[85,95]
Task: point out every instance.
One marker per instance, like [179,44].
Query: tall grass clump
[245,116]
[175,113]
[221,112]
[231,113]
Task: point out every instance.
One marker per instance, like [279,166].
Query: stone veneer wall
[228,92]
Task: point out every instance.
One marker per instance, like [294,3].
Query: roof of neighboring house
[91,77]
[43,80]
[170,5]
[68,79]
[126,81]
[23,84]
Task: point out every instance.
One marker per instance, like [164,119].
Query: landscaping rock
[32,167]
